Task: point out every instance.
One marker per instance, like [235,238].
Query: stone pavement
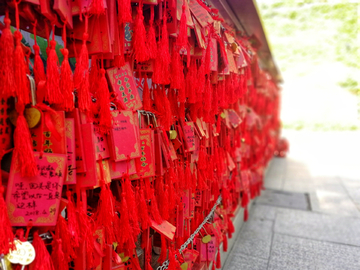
[309,215]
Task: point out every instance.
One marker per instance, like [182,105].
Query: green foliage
[351,85]
[322,30]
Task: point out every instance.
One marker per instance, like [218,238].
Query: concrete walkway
[309,215]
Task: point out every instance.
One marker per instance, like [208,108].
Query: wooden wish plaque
[36,198]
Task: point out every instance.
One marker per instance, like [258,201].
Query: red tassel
[94,77]
[139,37]
[151,38]
[130,199]
[39,72]
[53,95]
[20,70]
[218,259]
[154,210]
[202,158]
[163,253]
[23,148]
[166,212]
[231,227]
[177,75]
[207,100]
[168,116]
[142,209]
[119,60]
[105,216]
[6,234]
[81,75]
[7,85]
[58,256]
[183,37]
[66,82]
[124,11]
[172,195]
[207,57]
[246,214]
[221,93]
[73,224]
[103,98]
[214,105]
[62,232]
[124,224]
[86,234]
[180,171]
[97,7]
[188,176]
[146,96]
[213,265]
[161,67]
[160,195]
[225,243]
[173,263]
[218,124]
[42,259]
[191,81]
[245,199]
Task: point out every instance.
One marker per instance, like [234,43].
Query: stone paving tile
[298,253]
[332,228]
[245,262]
[331,202]
[284,199]
[255,238]
[262,211]
[353,189]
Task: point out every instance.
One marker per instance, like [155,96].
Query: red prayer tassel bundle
[97,7]
[161,200]
[7,85]
[142,209]
[58,256]
[246,214]
[130,199]
[66,78]
[177,75]
[218,259]
[187,177]
[124,11]
[151,37]
[182,37]
[124,224]
[190,81]
[66,82]
[53,93]
[6,234]
[208,97]
[81,75]
[23,148]
[225,243]
[62,233]
[173,263]
[39,72]
[86,234]
[154,210]
[105,216]
[103,99]
[22,87]
[147,102]
[163,253]
[139,36]
[43,259]
[162,61]
[73,224]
